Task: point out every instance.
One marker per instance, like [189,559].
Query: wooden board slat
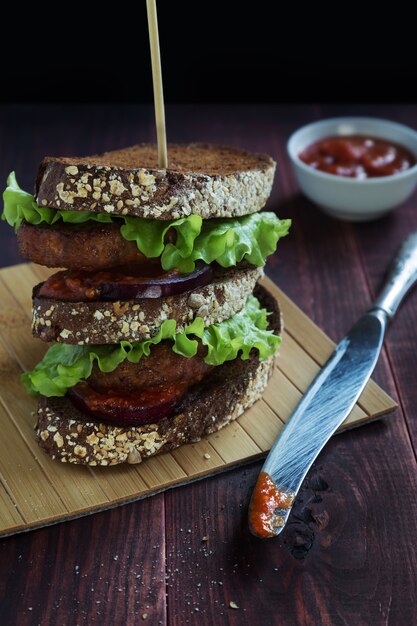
[281,395]
[233,444]
[198,458]
[161,471]
[34,490]
[120,483]
[262,424]
[10,517]
[319,346]
[26,483]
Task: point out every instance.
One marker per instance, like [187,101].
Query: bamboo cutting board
[36,491]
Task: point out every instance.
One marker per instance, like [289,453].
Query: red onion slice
[168,285]
[123,284]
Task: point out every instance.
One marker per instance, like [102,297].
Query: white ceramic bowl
[350,198]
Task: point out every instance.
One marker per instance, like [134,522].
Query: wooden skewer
[158,91]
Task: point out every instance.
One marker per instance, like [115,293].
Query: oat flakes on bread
[158,338]
[134,320]
[202,179]
[228,390]
[65,434]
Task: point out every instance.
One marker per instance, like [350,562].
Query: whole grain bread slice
[134,320]
[202,179]
[65,434]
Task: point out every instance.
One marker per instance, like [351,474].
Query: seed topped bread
[130,279]
[134,320]
[65,434]
[202,179]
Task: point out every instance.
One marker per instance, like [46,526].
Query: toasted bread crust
[210,181]
[135,320]
[220,398]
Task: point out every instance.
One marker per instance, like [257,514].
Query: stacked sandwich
[161,333]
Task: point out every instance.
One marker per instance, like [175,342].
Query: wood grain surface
[348,555]
[35,491]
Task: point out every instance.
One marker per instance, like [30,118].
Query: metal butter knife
[328,401]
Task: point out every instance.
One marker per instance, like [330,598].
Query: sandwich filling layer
[132,382]
[123,283]
[111,320]
[158,332]
[178,244]
[66,433]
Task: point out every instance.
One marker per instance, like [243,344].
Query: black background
[211,52]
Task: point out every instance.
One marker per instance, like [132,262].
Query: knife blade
[328,401]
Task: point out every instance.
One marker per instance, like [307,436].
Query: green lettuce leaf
[150,238]
[64,365]
[227,240]
[239,334]
[20,205]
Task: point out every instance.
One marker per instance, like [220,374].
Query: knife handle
[401,277]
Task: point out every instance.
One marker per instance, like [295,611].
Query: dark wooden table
[348,555]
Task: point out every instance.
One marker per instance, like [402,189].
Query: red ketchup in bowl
[357,156]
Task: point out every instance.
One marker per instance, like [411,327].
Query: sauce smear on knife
[265,506]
